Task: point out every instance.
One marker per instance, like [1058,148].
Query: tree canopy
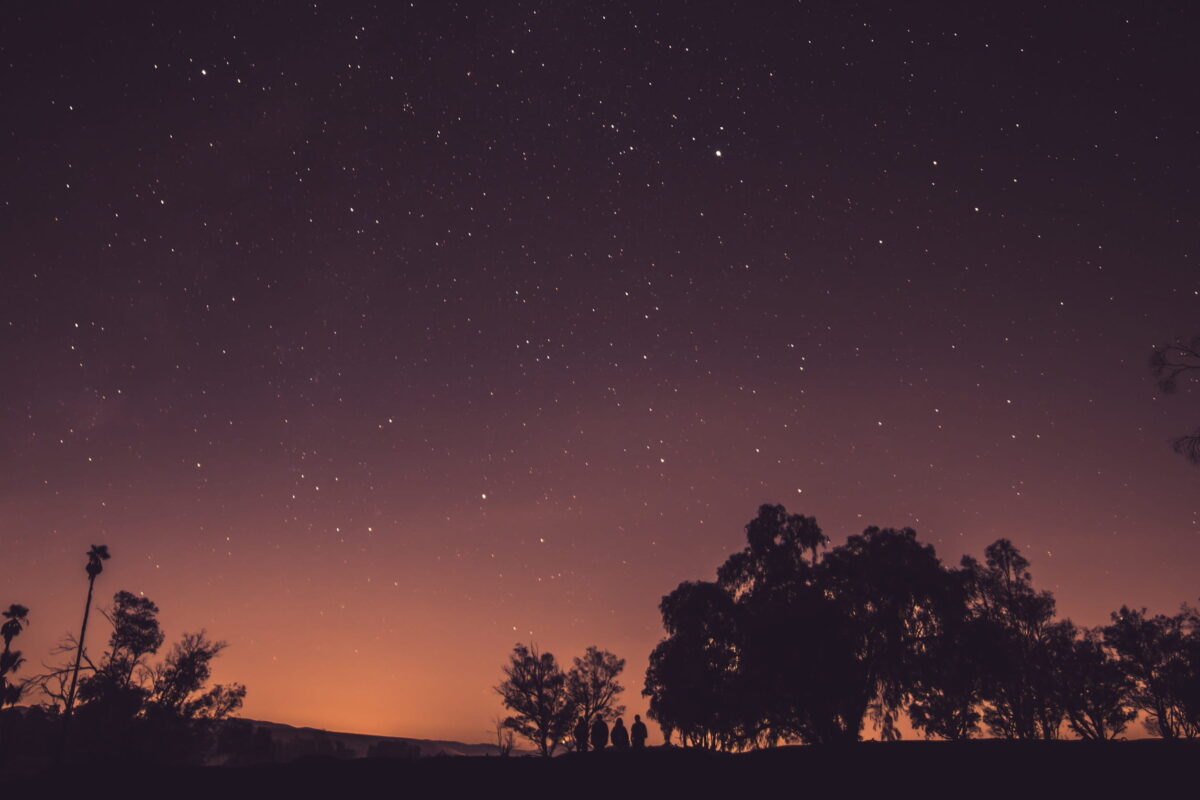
[796,641]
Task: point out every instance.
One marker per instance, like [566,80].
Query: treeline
[122,704]
[796,642]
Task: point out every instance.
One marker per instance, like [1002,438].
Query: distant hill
[358,745]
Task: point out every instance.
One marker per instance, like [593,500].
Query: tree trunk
[87,608]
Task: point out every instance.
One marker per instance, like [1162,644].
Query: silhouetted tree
[535,690]
[128,707]
[181,712]
[887,587]
[136,633]
[1015,620]
[782,639]
[111,698]
[179,682]
[97,555]
[789,645]
[593,687]
[1155,653]
[119,682]
[691,680]
[16,618]
[1172,363]
[1094,690]
[946,692]
[1189,666]
[781,548]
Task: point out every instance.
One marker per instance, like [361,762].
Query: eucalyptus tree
[1095,692]
[1160,656]
[535,691]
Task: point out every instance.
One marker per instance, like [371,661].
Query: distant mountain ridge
[358,745]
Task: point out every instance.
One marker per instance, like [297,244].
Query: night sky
[376,339]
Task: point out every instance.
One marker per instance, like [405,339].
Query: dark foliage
[1016,619]
[690,679]
[1094,689]
[792,645]
[1173,364]
[535,691]
[131,709]
[1161,657]
[788,645]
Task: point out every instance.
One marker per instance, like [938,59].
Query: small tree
[535,690]
[1154,654]
[1093,689]
[593,687]
[504,736]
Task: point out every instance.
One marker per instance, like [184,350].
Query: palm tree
[96,558]
[16,618]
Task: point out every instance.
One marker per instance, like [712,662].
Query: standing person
[638,732]
[581,735]
[599,734]
[620,736]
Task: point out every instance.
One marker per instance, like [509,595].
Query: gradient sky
[375,339]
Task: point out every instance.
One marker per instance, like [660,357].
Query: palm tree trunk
[79,650]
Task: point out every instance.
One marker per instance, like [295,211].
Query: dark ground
[898,770]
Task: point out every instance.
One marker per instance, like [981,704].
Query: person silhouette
[599,735]
[638,732]
[581,735]
[620,736]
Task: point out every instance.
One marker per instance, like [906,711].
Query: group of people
[598,736]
